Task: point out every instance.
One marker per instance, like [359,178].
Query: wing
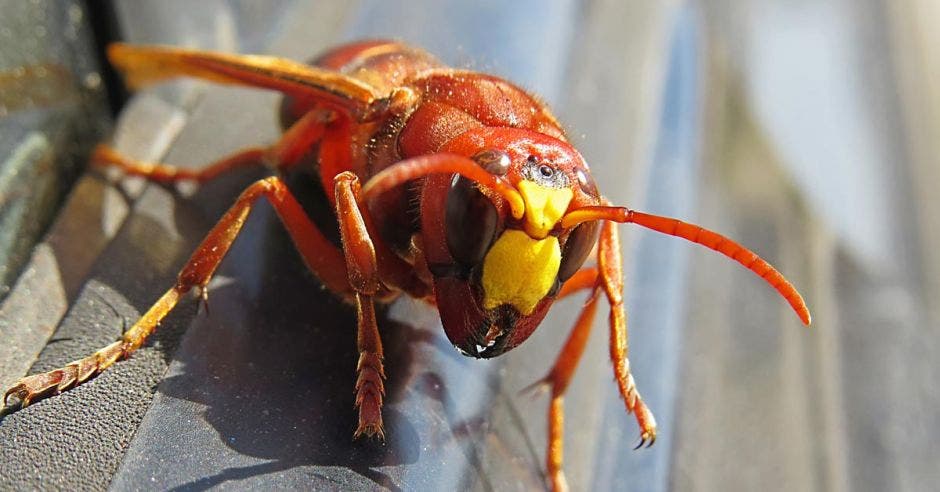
[144,65]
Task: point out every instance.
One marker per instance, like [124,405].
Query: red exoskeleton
[450,186]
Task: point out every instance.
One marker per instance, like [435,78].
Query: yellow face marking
[519,270]
[543,207]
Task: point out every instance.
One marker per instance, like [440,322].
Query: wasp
[450,186]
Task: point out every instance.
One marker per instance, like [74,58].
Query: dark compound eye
[495,162]
[577,248]
[469,222]
[586,181]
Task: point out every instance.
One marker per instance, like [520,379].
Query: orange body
[438,109]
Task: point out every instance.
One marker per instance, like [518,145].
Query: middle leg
[283,155]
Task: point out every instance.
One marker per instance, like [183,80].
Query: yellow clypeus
[519,270]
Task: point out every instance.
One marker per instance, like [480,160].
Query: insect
[450,186]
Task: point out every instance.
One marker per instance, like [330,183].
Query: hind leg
[321,256]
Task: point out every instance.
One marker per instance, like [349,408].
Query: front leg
[363,271]
[610,266]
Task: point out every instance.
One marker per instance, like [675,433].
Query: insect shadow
[273,369]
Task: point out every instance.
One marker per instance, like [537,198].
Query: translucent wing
[144,65]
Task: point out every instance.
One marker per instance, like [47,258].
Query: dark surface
[65,444]
[52,108]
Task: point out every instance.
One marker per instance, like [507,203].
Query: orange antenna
[417,167]
[696,234]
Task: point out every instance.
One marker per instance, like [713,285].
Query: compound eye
[577,248]
[470,222]
[586,182]
[495,162]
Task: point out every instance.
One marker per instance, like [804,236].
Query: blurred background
[808,131]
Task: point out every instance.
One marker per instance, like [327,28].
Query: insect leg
[318,253]
[105,156]
[288,151]
[335,154]
[584,278]
[558,379]
[610,264]
[363,272]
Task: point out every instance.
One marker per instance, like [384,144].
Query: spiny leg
[361,264]
[38,386]
[610,265]
[370,386]
[318,253]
